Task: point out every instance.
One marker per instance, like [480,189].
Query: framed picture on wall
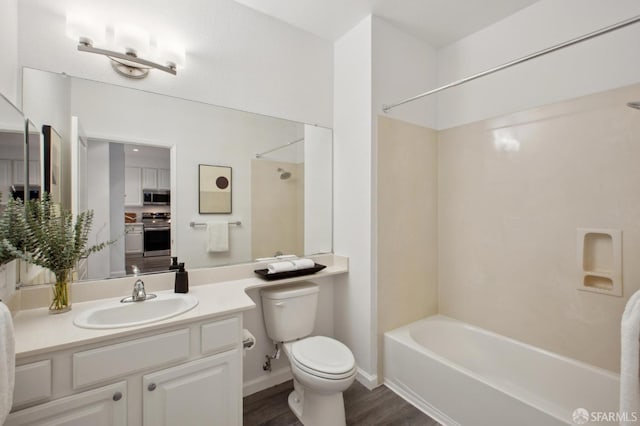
[214,189]
[52,163]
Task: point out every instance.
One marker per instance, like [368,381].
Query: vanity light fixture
[134,42]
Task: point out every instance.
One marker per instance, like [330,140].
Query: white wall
[353,294]
[603,63]
[9,49]
[116,208]
[98,177]
[403,65]
[46,100]
[242,59]
[318,200]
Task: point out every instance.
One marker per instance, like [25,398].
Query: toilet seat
[323,357]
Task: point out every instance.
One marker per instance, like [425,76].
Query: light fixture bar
[84,47]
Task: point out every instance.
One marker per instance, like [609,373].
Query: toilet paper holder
[248,339]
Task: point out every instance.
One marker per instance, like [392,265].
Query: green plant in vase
[55,241]
[12,226]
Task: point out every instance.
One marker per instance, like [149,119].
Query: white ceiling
[438,22]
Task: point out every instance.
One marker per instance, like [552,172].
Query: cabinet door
[5,180]
[106,406]
[164,179]
[149,178]
[132,186]
[18,172]
[34,173]
[133,240]
[206,392]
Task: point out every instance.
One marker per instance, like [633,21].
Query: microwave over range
[156,198]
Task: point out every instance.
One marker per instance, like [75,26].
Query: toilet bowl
[322,367]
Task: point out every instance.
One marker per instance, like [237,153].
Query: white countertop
[37,331]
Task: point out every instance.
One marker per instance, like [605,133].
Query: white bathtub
[463,375]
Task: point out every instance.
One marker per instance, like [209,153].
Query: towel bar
[197,224]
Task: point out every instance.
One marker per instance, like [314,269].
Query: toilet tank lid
[289,291]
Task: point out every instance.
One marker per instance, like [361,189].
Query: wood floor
[363,407]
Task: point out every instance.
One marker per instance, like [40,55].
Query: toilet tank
[290,311]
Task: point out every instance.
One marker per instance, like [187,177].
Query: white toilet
[322,367]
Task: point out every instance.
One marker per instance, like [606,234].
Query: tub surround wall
[407,225]
[277,209]
[512,192]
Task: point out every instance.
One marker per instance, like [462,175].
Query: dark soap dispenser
[182,280]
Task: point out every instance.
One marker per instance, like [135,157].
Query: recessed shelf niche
[600,260]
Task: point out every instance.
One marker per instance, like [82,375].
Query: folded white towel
[630,359]
[290,265]
[218,237]
[275,267]
[303,263]
[7,362]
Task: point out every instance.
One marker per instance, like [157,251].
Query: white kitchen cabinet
[164,179]
[132,186]
[199,393]
[134,239]
[34,172]
[149,178]
[5,180]
[105,406]
[156,179]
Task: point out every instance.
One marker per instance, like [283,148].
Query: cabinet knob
[151,387]
[117,396]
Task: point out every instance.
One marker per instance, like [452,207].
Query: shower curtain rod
[596,33]
[279,147]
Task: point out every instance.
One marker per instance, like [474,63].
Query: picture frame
[52,163]
[214,189]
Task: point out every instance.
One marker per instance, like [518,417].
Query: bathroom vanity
[184,370]
[178,374]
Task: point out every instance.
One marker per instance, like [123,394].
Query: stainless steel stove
[157,234]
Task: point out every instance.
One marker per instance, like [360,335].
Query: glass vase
[61,292]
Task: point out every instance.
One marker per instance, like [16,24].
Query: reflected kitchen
[147,203]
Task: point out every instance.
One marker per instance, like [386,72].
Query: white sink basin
[118,315]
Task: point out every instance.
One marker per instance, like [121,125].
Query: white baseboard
[419,403]
[369,381]
[266,381]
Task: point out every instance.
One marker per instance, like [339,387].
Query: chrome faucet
[138,294]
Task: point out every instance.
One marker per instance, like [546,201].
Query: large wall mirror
[12,152]
[134,158]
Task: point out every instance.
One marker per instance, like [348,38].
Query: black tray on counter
[288,274]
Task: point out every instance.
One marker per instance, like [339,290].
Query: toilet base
[315,409]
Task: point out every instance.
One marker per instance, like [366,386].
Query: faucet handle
[135,270]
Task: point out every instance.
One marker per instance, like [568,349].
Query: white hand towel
[218,237]
[7,362]
[630,359]
[275,267]
[303,263]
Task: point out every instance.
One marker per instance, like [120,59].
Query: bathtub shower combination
[460,374]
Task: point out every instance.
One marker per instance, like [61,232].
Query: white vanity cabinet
[182,375]
[103,406]
[188,394]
